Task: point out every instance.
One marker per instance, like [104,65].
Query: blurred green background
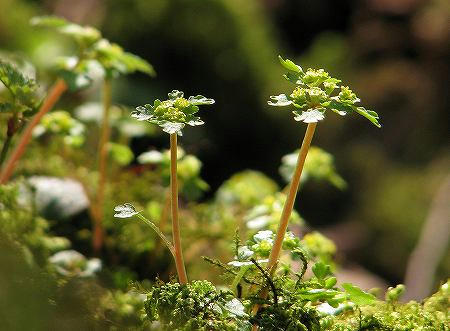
[394,54]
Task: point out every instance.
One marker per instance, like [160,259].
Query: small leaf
[293,78]
[279,100]
[289,65]
[369,114]
[309,116]
[143,113]
[358,296]
[124,211]
[195,122]
[200,100]
[321,270]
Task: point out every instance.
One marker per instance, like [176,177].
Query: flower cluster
[314,95]
[173,114]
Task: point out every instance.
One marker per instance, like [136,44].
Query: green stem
[179,263]
[98,236]
[239,276]
[5,149]
[159,233]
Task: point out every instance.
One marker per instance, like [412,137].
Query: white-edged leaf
[142,113]
[280,100]
[263,235]
[309,116]
[175,94]
[172,127]
[200,100]
[195,122]
[125,211]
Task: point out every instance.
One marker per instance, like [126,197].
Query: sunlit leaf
[289,65]
[358,296]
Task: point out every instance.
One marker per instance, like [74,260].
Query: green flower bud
[314,77]
[298,96]
[347,95]
[181,103]
[317,95]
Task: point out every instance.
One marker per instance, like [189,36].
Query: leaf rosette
[315,93]
[174,114]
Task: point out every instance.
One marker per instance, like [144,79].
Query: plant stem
[287,210]
[97,240]
[290,200]
[179,263]
[163,220]
[53,96]
[159,233]
[10,131]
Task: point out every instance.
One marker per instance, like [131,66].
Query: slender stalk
[53,96]
[97,239]
[5,149]
[159,233]
[287,210]
[10,131]
[290,200]
[163,219]
[179,263]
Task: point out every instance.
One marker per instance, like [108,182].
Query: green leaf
[23,90]
[358,296]
[318,294]
[293,78]
[309,116]
[84,35]
[369,114]
[48,21]
[113,58]
[289,65]
[339,107]
[321,270]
